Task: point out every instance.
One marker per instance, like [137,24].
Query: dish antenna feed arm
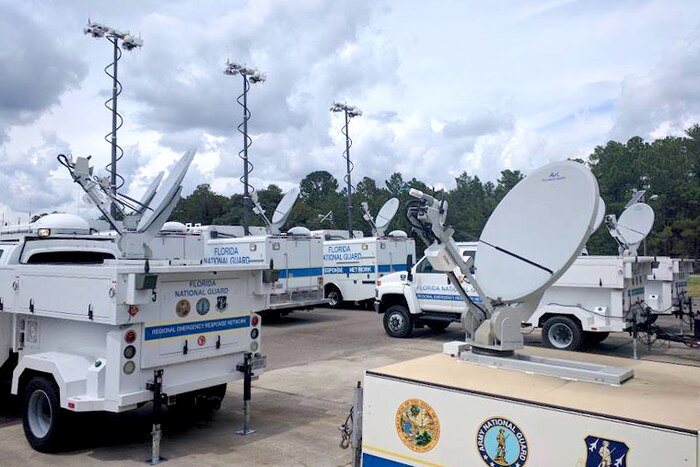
[490,326]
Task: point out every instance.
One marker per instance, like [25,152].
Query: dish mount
[384,216]
[282,211]
[138,221]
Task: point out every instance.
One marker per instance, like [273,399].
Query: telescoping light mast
[128,42]
[250,76]
[350,112]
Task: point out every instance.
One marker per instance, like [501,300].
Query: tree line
[668,168]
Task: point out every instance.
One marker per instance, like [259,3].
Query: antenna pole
[348,171]
[246,191]
[350,112]
[250,76]
[113,171]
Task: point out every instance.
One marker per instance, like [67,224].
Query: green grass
[694,286]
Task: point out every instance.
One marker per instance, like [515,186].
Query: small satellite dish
[600,214]
[635,223]
[302,231]
[167,190]
[385,215]
[284,208]
[537,231]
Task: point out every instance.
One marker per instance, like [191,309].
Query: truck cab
[423,297]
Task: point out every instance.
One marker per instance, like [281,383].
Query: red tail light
[255,320]
[130,336]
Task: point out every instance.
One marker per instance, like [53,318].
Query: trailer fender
[68,370]
[581,315]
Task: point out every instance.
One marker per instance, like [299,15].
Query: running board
[560,368]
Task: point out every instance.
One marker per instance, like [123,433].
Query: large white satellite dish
[385,215]
[635,223]
[284,208]
[537,231]
[600,214]
[167,190]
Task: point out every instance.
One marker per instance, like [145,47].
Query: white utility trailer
[296,256]
[82,330]
[441,411]
[597,295]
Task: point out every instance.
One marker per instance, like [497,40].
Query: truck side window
[69,257]
[424,267]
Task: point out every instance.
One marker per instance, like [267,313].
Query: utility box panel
[440,411]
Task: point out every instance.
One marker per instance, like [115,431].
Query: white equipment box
[298,258]
[439,411]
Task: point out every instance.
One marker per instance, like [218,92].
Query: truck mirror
[409,267]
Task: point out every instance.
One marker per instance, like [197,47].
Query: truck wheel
[43,418]
[596,337]
[335,298]
[563,333]
[437,325]
[398,322]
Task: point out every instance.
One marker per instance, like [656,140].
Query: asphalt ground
[315,358]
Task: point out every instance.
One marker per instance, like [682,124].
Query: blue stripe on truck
[383,268]
[196,327]
[368,460]
[300,272]
[453,298]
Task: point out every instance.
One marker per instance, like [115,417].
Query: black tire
[43,419]
[437,325]
[334,296]
[398,322]
[594,338]
[562,333]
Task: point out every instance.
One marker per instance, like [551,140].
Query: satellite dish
[599,214]
[284,208]
[537,231]
[150,193]
[635,223]
[398,234]
[385,215]
[62,222]
[167,190]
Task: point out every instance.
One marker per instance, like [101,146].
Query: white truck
[597,295]
[352,267]
[83,330]
[295,256]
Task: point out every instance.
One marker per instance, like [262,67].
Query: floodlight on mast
[250,76]
[350,112]
[128,42]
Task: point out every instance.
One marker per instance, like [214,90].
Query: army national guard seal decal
[417,425]
[501,443]
[603,452]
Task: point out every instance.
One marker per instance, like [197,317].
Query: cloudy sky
[445,86]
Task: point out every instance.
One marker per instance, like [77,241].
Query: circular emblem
[183,308]
[203,306]
[201,340]
[417,425]
[501,443]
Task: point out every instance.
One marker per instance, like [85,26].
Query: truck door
[433,290]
